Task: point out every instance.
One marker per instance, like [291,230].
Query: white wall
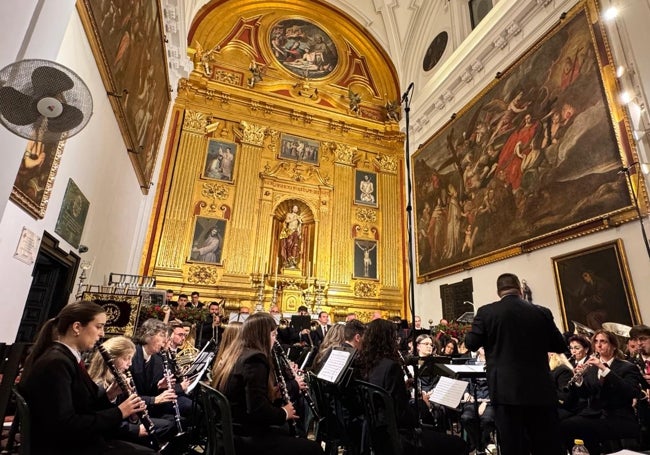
[96,159]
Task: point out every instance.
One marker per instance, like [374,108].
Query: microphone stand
[626,171]
[409,229]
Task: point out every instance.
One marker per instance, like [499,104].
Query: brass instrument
[184,359]
[126,384]
[168,376]
[284,323]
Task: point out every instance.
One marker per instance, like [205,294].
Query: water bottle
[579,448]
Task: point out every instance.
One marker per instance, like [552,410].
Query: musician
[641,333]
[121,350]
[609,384]
[335,337]
[244,378]
[580,349]
[353,334]
[69,414]
[378,364]
[322,326]
[148,373]
[517,336]
[561,373]
[211,329]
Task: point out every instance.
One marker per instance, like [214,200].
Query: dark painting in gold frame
[122,311]
[533,160]
[594,286]
[35,178]
[127,39]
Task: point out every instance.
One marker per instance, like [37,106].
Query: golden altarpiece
[282,178]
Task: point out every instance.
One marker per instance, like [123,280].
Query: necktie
[324,330]
[82,365]
[647,367]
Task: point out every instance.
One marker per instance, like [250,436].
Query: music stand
[466,318]
[301,323]
[336,367]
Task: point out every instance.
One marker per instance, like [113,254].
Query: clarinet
[128,387]
[279,350]
[284,392]
[577,376]
[168,375]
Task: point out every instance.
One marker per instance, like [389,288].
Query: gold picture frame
[127,39]
[531,161]
[594,286]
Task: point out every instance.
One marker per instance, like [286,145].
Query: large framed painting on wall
[365,259]
[299,149]
[594,286]
[35,178]
[531,161]
[72,216]
[365,188]
[207,240]
[127,39]
[220,160]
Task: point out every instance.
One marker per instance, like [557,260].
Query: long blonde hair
[255,334]
[335,336]
[230,334]
[116,347]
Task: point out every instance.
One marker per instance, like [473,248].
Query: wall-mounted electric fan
[41,100]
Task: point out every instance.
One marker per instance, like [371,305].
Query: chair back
[218,421]
[380,420]
[24,421]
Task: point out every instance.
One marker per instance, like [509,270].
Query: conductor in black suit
[517,336]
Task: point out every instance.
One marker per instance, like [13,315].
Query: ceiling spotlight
[620,71]
[610,13]
[626,98]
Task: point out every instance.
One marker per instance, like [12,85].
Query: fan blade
[69,118]
[17,107]
[48,81]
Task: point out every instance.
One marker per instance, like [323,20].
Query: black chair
[22,421]
[218,421]
[380,420]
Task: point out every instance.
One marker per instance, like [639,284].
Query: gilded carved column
[243,225]
[341,264]
[391,239]
[178,224]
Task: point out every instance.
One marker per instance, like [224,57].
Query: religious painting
[121,311]
[127,39]
[365,259]
[595,287]
[35,179]
[303,48]
[207,240]
[220,160]
[72,217]
[531,161]
[299,149]
[365,188]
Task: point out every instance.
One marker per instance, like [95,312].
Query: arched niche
[305,263]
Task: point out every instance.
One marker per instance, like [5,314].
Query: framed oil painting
[303,48]
[122,311]
[72,217]
[219,160]
[531,161]
[365,259]
[207,240]
[299,149]
[35,177]
[365,188]
[127,39]
[594,287]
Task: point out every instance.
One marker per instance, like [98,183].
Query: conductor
[517,336]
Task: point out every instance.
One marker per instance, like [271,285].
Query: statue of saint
[291,238]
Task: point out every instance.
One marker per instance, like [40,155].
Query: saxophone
[125,383]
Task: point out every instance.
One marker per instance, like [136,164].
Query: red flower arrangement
[453,329]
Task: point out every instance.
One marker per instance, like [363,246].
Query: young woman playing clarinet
[69,414]
[245,378]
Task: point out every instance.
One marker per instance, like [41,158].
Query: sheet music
[334,365]
[466,368]
[448,392]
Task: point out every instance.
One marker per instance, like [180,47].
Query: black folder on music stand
[461,371]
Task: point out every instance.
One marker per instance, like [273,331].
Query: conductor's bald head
[508,283]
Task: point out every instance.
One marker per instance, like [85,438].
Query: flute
[128,387]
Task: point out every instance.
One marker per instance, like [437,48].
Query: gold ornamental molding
[214,191]
[296,172]
[201,274]
[366,215]
[365,289]
[343,153]
[195,122]
[252,134]
[387,163]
